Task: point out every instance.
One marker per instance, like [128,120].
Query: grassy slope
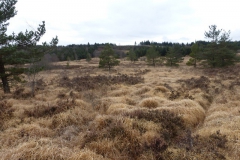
[175,113]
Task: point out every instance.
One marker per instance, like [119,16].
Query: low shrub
[94,82]
[201,82]
[208,147]
[149,103]
[49,110]
[22,93]
[6,112]
[171,124]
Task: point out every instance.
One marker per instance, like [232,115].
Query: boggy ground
[137,112]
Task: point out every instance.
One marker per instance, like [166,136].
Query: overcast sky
[126,21]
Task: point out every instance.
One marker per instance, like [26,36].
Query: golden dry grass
[154,119]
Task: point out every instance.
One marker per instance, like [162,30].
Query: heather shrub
[6,112]
[201,82]
[95,82]
[21,93]
[44,110]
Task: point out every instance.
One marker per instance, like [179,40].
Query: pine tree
[173,57]
[16,49]
[152,55]
[88,58]
[108,58]
[218,52]
[132,56]
[195,55]
[7,11]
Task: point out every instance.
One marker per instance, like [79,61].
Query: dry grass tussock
[84,113]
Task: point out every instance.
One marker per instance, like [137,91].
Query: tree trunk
[109,68]
[6,87]
[33,88]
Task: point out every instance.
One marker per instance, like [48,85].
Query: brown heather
[136,112]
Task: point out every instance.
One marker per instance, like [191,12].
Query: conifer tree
[88,57]
[132,56]
[195,55]
[173,57]
[152,55]
[7,11]
[16,49]
[108,58]
[218,52]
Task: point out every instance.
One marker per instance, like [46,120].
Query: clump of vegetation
[152,56]
[227,73]
[208,147]
[142,90]
[95,82]
[195,55]
[6,112]
[172,125]
[108,58]
[173,56]
[141,72]
[88,58]
[149,103]
[201,82]
[130,139]
[21,93]
[218,52]
[49,110]
[132,56]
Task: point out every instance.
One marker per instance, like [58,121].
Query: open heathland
[138,112]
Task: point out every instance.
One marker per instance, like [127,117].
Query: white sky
[126,21]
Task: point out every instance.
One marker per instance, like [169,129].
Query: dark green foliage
[88,58]
[163,50]
[32,54]
[7,11]
[108,58]
[152,56]
[145,42]
[75,52]
[163,47]
[218,52]
[173,57]
[132,56]
[141,51]
[19,49]
[196,55]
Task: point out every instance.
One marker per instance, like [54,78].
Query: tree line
[76,51]
[219,51]
[84,51]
